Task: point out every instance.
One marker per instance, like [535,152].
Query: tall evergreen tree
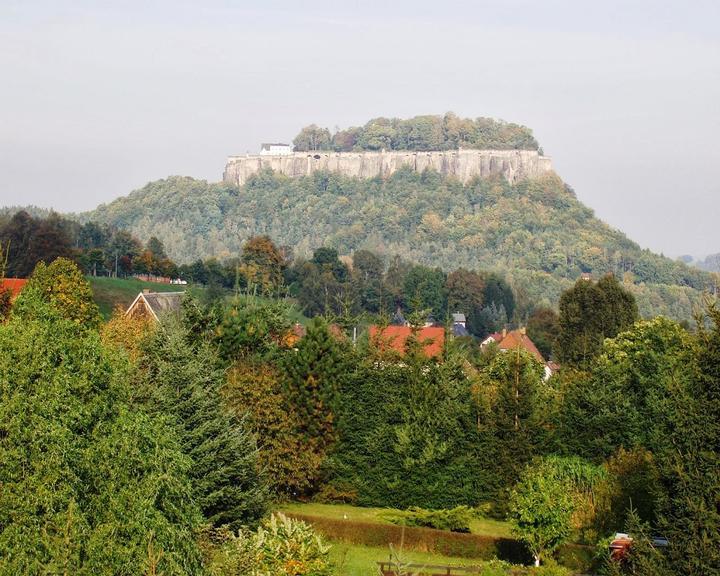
[311,383]
[512,419]
[182,381]
[90,485]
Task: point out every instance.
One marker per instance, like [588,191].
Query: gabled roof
[159,303]
[395,338]
[518,339]
[458,317]
[14,285]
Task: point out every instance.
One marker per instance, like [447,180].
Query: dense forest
[448,132]
[535,233]
[177,437]
[99,250]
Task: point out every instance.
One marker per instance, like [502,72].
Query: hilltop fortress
[463,164]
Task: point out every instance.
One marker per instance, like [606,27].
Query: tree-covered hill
[535,232]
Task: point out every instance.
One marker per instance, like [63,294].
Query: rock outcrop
[461,164]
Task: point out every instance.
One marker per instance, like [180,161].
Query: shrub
[454,520]
[282,546]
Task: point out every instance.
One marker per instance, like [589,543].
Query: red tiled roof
[15,285]
[395,337]
[516,339]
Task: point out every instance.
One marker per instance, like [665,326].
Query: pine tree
[183,382]
[312,380]
[87,480]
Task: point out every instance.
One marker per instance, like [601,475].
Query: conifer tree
[512,382]
[312,381]
[89,484]
[183,381]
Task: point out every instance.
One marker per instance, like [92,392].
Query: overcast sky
[97,98]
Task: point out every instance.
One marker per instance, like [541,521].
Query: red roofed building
[515,339]
[432,339]
[14,285]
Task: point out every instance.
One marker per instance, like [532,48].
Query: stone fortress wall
[463,164]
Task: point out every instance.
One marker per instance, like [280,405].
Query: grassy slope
[481,526]
[354,560]
[112,292]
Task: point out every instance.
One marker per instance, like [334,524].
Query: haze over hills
[533,230]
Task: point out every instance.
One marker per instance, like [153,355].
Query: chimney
[146,290]
[504,333]
[523,330]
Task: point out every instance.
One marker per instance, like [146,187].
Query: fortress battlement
[463,164]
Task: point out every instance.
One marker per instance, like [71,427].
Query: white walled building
[277,149]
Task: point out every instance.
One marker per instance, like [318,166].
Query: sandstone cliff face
[462,164]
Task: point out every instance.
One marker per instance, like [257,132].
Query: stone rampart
[461,164]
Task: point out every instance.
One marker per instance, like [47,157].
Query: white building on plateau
[275,149]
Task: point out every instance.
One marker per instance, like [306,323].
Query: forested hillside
[534,232]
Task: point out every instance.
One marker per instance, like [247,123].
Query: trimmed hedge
[420,539]
[573,556]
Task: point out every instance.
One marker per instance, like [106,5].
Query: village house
[155,305]
[514,339]
[431,338]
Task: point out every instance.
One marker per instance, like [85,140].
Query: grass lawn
[481,526]
[354,560]
[111,292]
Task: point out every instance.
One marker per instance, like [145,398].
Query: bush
[454,520]
[282,546]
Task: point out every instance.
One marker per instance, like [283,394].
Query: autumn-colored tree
[262,264]
[62,285]
[290,459]
[127,332]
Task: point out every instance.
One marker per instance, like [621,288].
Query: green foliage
[251,326]
[631,392]
[312,380]
[31,240]
[64,288]
[282,546]
[689,462]
[536,233]
[466,295]
[414,440]
[541,507]
[542,328]
[182,381]
[446,132]
[454,520]
[510,415]
[90,485]
[589,313]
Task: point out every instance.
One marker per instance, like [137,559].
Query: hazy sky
[97,98]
